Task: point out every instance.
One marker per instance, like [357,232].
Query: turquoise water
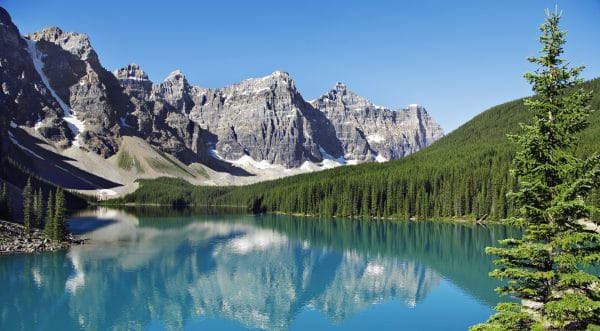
[234,272]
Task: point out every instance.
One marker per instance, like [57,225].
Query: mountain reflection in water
[260,271]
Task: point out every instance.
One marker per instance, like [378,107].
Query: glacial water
[235,272]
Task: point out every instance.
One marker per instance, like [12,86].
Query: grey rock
[367,131]
[160,113]
[265,118]
[91,92]
[24,99]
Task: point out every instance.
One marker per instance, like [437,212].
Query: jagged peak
[131,72]
[415,106]
[54,34]
[6,24]
[4,16]
[279,74]
[339,86]
[76,43]
[175,75]
[261,84]
[351,100]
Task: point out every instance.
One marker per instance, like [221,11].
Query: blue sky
[456,58]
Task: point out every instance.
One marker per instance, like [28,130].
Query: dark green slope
[465,174]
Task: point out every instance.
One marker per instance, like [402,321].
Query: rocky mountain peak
[5,17]
[9,34]
[176,76]
[131,72]
[277,81]
[344,98]
[278,74]
[340,87]
[76,43]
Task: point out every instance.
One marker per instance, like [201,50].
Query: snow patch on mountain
[75,125]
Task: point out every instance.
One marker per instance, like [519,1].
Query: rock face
[53,81]
[370,132]
[267,119]
[24,98]
[92,95]
[160,113]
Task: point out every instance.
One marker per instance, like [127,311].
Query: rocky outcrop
[14,239]
[267,119]
[54,82]
[370,132]
[160,113]
[92,95]
[24,98]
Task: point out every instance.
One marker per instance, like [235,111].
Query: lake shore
[14,240]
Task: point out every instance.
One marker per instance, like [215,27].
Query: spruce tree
[38,208]
[27,212]
[546,268]
[59,226]
[50,227]
[4,204]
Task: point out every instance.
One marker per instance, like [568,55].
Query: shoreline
[14,241]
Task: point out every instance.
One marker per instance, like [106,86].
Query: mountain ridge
[65,101]
[464,175]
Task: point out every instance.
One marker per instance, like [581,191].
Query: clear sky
[456,58]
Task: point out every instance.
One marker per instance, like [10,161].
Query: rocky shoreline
[14,240]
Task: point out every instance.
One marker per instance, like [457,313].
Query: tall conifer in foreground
[38,208]
[545,269]
[27,206]
[60,215]
[50,228]
[4,202]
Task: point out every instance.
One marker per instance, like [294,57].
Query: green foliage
[4,203]
[38,208]
[199,170]
[60,215]
[172,191]
[127,161]
[50,227]
[510,317]
[27,207]
[545,266]
[167,165]
[463,175]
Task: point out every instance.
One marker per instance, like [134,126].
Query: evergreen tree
[50,227]
[4,204]
[27,207]
[59,226]
[38,208]
[544,269]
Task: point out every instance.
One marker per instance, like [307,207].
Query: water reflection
[259,271]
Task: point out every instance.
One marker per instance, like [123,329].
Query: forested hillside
[465,174]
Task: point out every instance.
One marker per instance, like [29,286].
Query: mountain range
[74,123]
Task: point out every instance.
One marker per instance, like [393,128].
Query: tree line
[463,175]
[52,217]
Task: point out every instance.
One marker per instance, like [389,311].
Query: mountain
[370,132]
[74,123]
[267,119]
[463,175]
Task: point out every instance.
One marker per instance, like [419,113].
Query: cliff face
[90,97]
[160,113]
[370,132]
[267,119]
[53,84]
[24,96]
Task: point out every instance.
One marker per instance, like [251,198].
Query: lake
[233,272]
